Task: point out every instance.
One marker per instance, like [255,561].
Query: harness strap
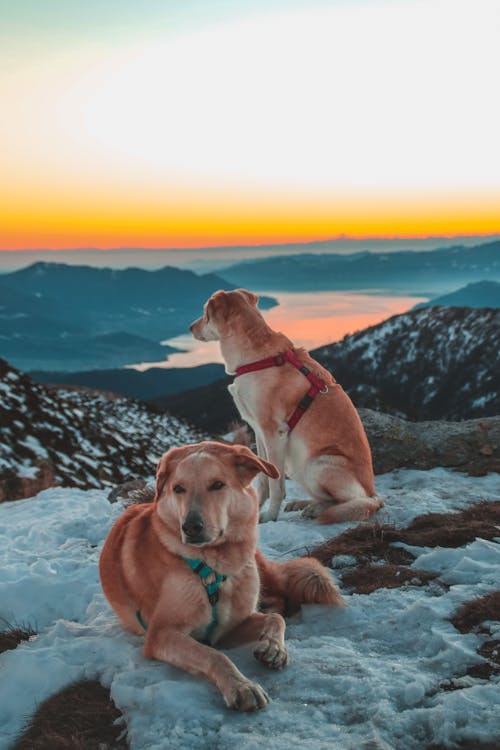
[211,581]
[317,384]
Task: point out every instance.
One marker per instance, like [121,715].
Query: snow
[361,678]
[35,445]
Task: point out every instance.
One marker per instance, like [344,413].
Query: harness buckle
[279,359]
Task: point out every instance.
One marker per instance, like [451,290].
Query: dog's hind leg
[360,509]
[337,494]
[268,631]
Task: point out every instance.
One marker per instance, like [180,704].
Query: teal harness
[211,581]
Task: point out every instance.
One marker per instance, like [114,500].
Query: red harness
[317,384]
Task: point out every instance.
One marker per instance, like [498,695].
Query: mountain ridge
[53,315]
[416,272]
[475,294]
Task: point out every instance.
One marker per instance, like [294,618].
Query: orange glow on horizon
[205,218]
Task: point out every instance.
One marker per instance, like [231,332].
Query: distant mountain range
[60,317]
[478,294]
[434,363]
[406,271]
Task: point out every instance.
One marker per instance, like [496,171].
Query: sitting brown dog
[303,420]
[185,571]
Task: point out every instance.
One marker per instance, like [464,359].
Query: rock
[134,491]
[471,446]
[14,487]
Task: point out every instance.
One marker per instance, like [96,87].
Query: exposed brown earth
[471,614]
[367,578]
[490,650]
[79,717]
[12,636]
[372,541]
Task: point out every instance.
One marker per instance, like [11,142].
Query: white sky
[352,95]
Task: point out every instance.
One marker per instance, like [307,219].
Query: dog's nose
[193,524]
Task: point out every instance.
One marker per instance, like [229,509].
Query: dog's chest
[238,598]
[244,399]
[257,397]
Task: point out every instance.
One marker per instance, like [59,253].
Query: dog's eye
[178,489]
[216,485]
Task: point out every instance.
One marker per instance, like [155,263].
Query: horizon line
[337,238]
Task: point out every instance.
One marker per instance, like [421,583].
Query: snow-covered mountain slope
[434,363]
[388,672]
[76,437]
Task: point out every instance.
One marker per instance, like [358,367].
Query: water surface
[310,319]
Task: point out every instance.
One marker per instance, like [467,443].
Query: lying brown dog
[184,570]
[303,420]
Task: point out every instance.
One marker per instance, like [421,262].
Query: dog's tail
[285,586]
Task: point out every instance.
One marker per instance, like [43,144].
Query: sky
[187,123]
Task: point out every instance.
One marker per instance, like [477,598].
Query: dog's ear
[218,305]
[164,469]
[248,465]
[251,297]
[162,472]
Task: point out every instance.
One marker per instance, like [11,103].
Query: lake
[310,319]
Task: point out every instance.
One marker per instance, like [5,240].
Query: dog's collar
[212,582]
[317,384]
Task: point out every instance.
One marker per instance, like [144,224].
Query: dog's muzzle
[194,528]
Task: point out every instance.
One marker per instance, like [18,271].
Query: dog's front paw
[266,516]
[272,653]
[314,509]
[296,505]
[246,696]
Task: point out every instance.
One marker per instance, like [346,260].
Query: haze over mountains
[214,258]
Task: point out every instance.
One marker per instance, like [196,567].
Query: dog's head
[221,311]
[204,492]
